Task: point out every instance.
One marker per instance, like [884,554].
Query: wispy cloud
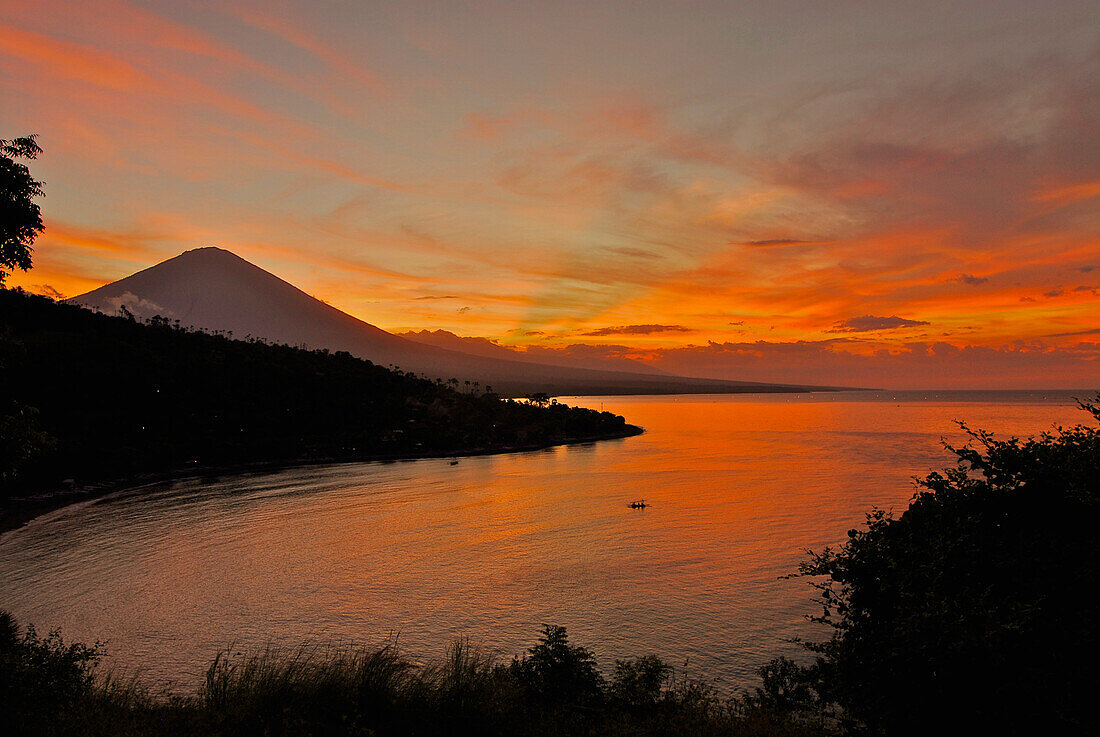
[294,33]
[539,184]
[637,330]
[780,242]
[1094,331]
[869,323]
[972,280]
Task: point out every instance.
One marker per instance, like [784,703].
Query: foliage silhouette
[90,397]
[971,611]
[557,671]
[52,688]
[539,399]
[20,217]
[638,684]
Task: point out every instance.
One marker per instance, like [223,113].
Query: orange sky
[755,190]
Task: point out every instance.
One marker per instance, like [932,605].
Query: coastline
[17,512]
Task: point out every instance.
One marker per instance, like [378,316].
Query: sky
[895,194]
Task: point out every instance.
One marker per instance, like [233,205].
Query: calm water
[490,548]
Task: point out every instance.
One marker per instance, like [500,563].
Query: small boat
[454,463]
[638,504]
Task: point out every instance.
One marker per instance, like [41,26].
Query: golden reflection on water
[492,547]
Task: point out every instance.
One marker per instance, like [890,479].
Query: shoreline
[18,511]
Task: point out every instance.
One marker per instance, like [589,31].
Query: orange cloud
[557,197]
[72,61]
[1071,193]
[293,32]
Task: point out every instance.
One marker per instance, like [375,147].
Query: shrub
[972,609]
[639,683]
[42,675]
[555,671]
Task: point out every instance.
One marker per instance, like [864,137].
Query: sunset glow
[810,192]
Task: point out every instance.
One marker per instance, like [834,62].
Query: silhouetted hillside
[88,397]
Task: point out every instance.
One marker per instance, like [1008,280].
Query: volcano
[215,290]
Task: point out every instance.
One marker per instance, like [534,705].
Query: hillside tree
[20,216]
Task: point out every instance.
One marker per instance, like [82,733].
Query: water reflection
[492,547]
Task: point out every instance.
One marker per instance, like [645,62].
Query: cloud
[876,206]
[843,361]
[779,242]
[1058,292]
[463,310]
[868,323]
[46,291]
[1075,333]
[971,279]
[631,252]
[638,330]
[294,33]
[140,308]
[494,127]
[73,61]
[836,362]
[843,194]
[1027,299]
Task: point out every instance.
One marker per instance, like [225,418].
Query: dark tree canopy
[555,669]
[20,217]
[92,398]
[974,610]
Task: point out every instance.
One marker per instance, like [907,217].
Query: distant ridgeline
[89,397]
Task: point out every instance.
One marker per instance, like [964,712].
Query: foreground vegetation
[91,397]
[971,613]
[49,688]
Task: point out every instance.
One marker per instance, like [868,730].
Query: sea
[420,554]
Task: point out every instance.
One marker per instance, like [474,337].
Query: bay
[426,552]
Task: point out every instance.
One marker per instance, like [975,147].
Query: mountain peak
[215,289]
[209,253]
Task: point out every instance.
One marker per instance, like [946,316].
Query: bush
[45,685]
[50,688]
[638,684]
[555,671]
[972,610]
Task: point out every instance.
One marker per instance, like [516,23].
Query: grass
[48,687]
